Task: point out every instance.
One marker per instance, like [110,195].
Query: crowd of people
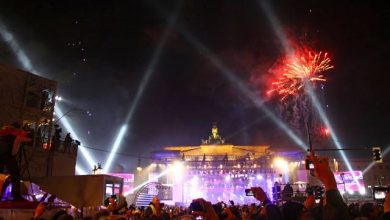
[331,206]
[67,145]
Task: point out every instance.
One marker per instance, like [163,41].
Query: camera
[248,192]
[196,206]
[379,192]
[317,191]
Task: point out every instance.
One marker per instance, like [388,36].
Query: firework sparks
[304,67]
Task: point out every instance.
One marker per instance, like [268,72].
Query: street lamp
[69,111]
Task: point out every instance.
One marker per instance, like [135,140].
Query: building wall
[37,159]
[21,96]
[29,100]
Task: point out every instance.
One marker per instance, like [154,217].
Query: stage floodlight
[281,163]
[227,178]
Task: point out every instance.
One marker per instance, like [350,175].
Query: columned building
[214,170]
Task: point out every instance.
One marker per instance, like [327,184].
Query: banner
[345,181]
[128,181]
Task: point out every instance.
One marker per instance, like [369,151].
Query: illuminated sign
[128,181]
[345,181]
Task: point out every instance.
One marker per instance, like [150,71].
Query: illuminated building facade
[215,170]
[219,171]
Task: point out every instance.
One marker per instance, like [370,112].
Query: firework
[303,68]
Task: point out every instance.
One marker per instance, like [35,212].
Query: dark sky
[186,93]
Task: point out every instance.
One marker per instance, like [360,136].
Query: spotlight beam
[244,128]
[115,147]
[242,87]
[22,57]
[141,88]
[80,170]
[9,38]
[234,80]
[275,24]
[65,122]
[333,136]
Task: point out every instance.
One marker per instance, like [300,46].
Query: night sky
[98,52]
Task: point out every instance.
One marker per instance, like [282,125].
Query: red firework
[303,67]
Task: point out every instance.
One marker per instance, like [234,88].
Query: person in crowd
[121,205]
[130,211]
[292,210]
[112,204]
[354,211]
[153,211]
[288,191]
[310,210]
[56,139]
[208,211]
[102,215]
[370,211]
[67,143]
[253,212]
[276,191]
[269,210]
[334,206]
[330,206]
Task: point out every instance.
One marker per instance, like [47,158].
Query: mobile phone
[196,206]
[248,192]
[309,164]
[380,192]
